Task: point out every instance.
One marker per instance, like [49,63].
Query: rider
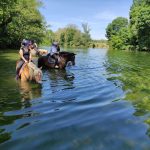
[25,55]
[34,46]
[54,52]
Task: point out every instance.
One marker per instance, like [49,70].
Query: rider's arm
[35,45]
[21,55]
[30,57]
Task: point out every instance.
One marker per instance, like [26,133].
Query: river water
[101,103]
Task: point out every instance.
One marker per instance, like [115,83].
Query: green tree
[118,33]
[20,19]
[116,25]
[121,40]
[140,24]
[7,12]
[48,37]
[71,36]
[86,34]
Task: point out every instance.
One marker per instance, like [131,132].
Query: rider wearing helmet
[54,52]
[25,55]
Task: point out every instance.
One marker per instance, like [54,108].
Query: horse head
[38,75]
[35,72]
[69,58]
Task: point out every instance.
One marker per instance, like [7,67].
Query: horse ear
[40,68]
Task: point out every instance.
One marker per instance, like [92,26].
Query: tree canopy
[71,36]
[20,19]
[136,34]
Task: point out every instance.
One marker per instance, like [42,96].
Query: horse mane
[66,53]
[34,70]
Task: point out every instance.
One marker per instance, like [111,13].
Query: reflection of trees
[61,79]
[132,70]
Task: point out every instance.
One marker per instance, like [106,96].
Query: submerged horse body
[30,72]
[64,58]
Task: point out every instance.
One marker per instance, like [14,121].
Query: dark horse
[64,58]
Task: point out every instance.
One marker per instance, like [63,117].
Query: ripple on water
[84,107]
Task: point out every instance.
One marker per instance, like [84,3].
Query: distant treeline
[21,19]
[70,36]
[99,44]
[135,34]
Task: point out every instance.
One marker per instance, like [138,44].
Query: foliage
[71,36]
[116,25]
[48,37]
[121,40]
[99,44]
[140,24]
[20,19]
[118,34]
[86,34]
[136,35]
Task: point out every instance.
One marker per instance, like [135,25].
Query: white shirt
[53,50]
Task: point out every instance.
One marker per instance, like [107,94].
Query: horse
[30,72]
[42,52]
[64,59]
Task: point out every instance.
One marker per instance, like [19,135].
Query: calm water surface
[101,103]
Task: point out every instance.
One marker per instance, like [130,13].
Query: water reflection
[61,80]
[73,101]
[15,100]
[29,91]
[131,72]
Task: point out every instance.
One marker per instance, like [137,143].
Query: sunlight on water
[100,103]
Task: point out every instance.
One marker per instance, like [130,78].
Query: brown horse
[64,59]
[29,72]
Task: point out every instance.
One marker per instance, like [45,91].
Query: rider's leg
[18,67]
[56,59]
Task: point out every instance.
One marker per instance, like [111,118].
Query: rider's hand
[26,61]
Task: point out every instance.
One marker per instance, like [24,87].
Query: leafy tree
[71,36]
[48,37]
[20,19]
[121,40]
[86,34]
[136,35]
[7,12]
[116,25]
[140,24]
[118,33]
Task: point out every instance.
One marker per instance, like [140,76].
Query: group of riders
[25,52]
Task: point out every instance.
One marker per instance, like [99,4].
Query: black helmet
[24,42]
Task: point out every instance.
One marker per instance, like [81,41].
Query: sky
[97,13]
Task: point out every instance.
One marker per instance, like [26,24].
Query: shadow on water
[130,71]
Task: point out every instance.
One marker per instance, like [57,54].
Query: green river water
[101,103]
